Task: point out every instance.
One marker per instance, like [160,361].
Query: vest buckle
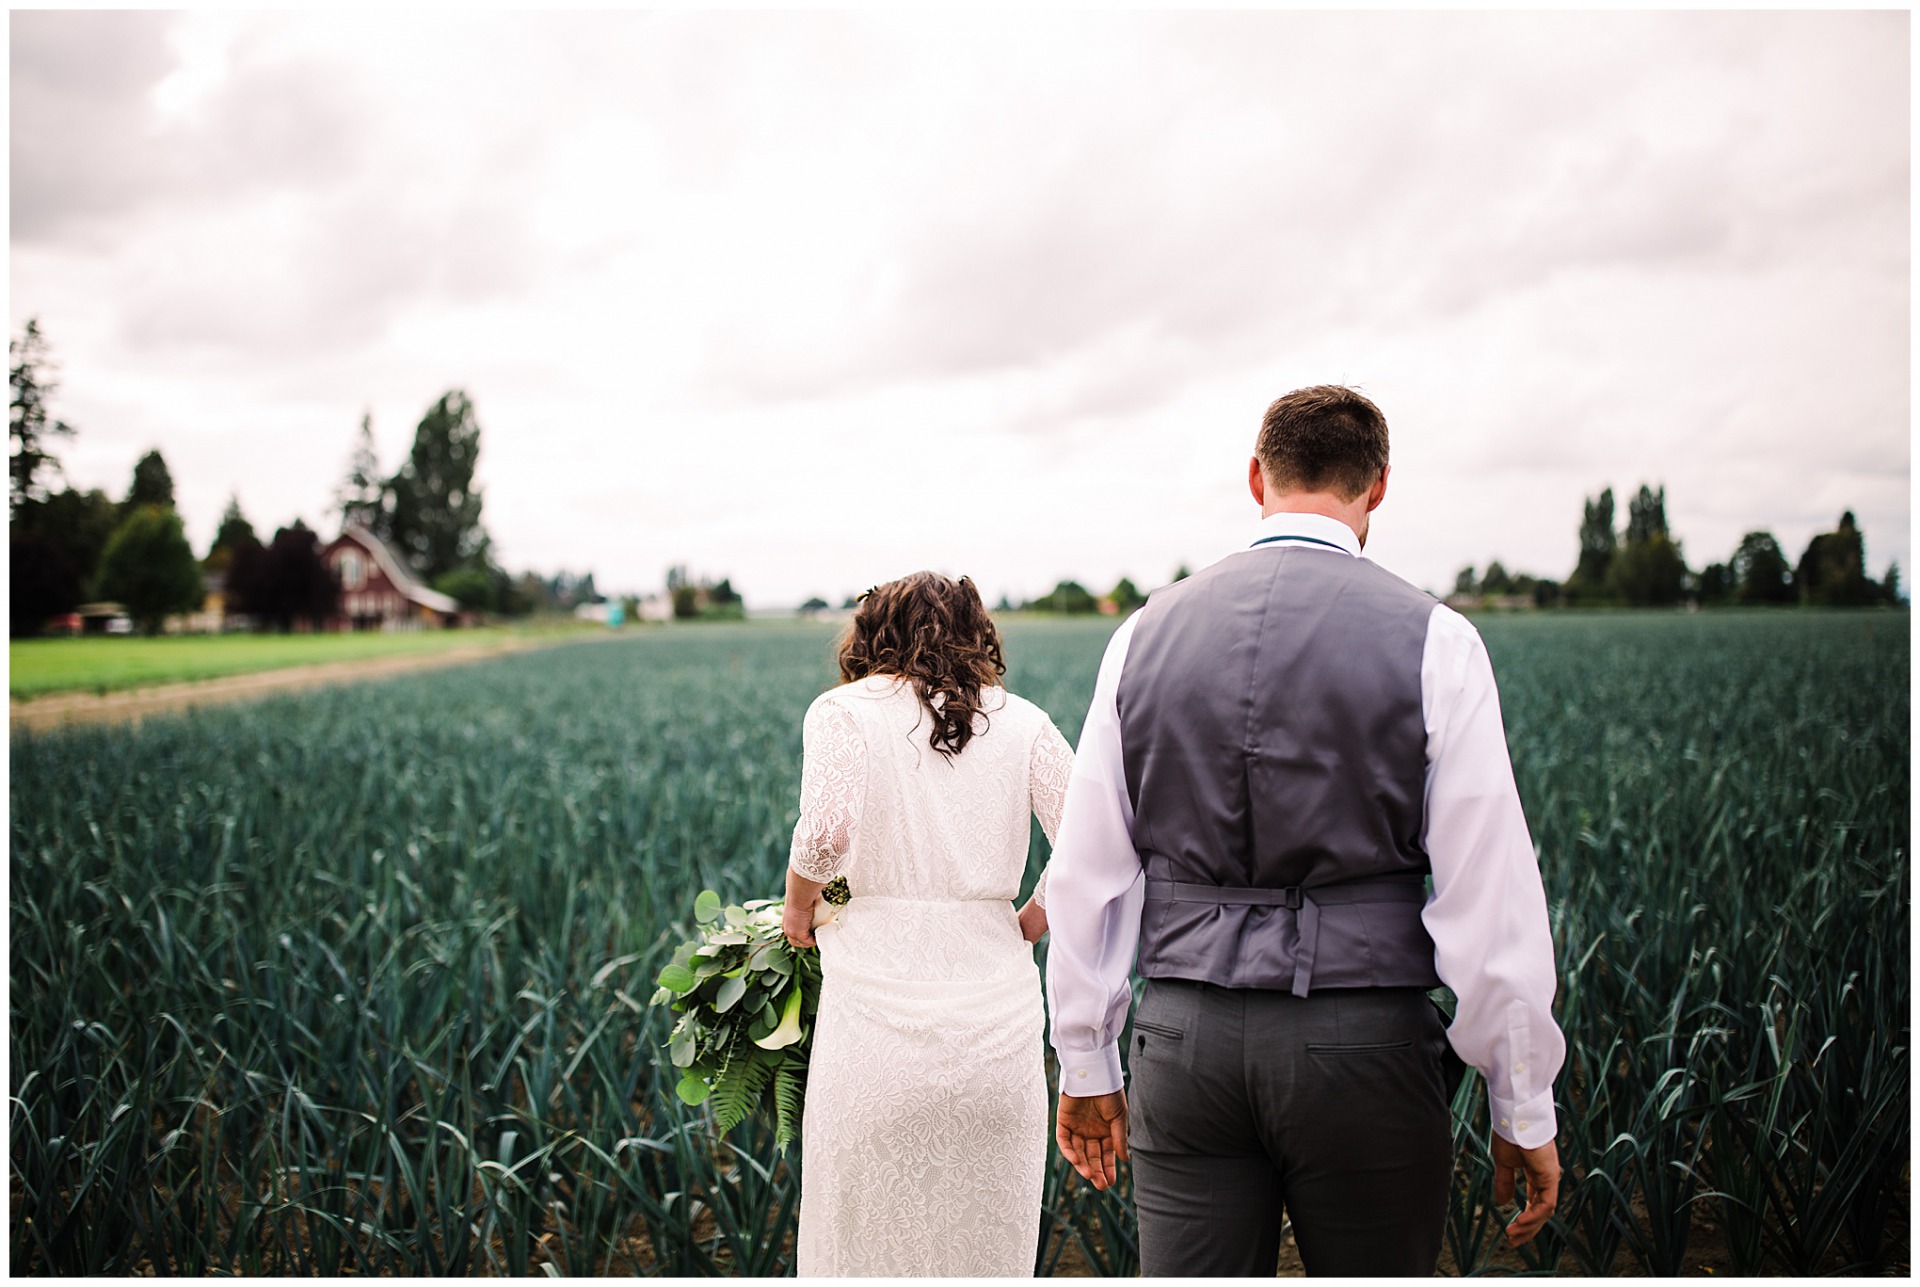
[1294,895]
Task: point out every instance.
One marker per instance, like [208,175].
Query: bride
[925,1134]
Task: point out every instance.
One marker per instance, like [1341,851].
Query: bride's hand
[796,922]
[796,918]
[1033,921]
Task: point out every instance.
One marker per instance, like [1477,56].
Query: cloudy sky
[812,301]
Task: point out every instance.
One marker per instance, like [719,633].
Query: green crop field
[354,980]
[36,667]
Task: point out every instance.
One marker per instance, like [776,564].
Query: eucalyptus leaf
[676,978]
[706,907]
[731,990]
[692,1090]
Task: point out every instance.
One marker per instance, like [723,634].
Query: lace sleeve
[833,788]
[1047,773]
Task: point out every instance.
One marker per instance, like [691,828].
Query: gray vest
[1275,749]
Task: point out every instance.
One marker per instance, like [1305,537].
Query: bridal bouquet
[745,998]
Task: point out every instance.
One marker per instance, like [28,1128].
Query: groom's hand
[1092,1132]
[1033,922]
[1542,1168]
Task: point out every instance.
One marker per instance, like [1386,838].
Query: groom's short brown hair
[1323,438]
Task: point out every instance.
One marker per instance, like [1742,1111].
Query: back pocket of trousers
[1369,1048]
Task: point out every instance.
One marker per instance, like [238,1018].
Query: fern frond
[736,1091]
[787,1098]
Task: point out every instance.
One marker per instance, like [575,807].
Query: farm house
[377,592]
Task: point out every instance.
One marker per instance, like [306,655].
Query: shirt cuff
[1529,1125]
[1084,1074]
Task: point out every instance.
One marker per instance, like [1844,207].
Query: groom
[1280,750]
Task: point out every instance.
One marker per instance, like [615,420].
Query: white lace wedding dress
[924,1139]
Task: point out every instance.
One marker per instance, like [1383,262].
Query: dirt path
[130,705]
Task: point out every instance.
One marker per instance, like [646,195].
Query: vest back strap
[1304,901]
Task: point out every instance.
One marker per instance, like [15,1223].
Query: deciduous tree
[1716,585]
[79,523]
[1648,569]
[286,581]
[1832,572]
[435,520]
[1126,596]
[149,568]
[471,587]
[1760,572]
[1598,544]
[1067,597]
[42,583]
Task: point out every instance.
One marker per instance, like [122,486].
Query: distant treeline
[1640,567]
[68,547]
[1644,567]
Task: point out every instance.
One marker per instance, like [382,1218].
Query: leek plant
[356,980]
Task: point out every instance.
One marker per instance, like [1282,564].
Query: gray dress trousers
[1333,1108]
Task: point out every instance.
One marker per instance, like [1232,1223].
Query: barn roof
[396,569]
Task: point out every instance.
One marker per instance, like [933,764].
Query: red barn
[377,592]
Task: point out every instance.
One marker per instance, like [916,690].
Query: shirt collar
[1315,531]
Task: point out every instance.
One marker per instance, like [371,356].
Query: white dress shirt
[1488,913]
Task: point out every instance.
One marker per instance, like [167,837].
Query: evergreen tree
[1126,596]
[435,517]
[234,530]
[30,372]
[1890,588]
[1465,582]
[149,568]
[152,484]
[361,496]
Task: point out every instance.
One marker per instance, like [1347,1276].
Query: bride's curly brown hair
[936,633]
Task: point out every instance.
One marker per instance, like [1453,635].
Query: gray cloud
[81,145]
[1565,249]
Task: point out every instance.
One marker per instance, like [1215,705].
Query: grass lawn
[39,666]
